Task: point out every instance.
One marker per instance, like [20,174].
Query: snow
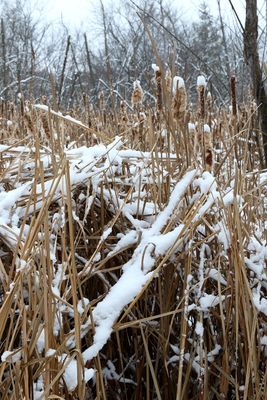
[70,372]
[50,352]
[136,271]
[155,67]
[21,265]
[137,85]
[41,341]
[150,233]
[11,356]
[206,128]
[82,304]
[199,328]
[209,300]
[8,200]
[214,274]
[191,126]
[259,302]
[206,182]
[201,81]
[210,356]
[105,234]
[126,240]
[59,114]
[38,389]
[177,83]
[213,353]
[229,198]
[109,372]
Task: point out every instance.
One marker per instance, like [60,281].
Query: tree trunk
[252,59]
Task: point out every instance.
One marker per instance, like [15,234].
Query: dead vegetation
[133,250]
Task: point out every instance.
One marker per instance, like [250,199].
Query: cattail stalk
[233,95]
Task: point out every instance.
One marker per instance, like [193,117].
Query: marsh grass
[55,255]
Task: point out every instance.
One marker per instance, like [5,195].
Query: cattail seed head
[137,94]
[201,86]
[44,100]
[233,95]
[168,80]
[179,97]
[101,99]
[158,77]
[207,141]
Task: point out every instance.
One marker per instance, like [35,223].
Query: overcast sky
[82,13]
[77,12]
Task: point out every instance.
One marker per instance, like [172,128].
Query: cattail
[137,94]
[2,108]
[179,98]
[44,100]
[28,115]
[209,107]
[207,141]
[123,112]
[45,124]
[209,102]
[198,139]
[168,80]
[201,86]
[122,107]
[21,103]
[158,77]
[10,110]
[233,95]
[101,99]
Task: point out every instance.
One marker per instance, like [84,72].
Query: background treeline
[39,59]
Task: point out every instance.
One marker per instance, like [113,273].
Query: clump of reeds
[73,221]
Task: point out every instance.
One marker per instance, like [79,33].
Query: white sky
[82,13]
[77,12]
